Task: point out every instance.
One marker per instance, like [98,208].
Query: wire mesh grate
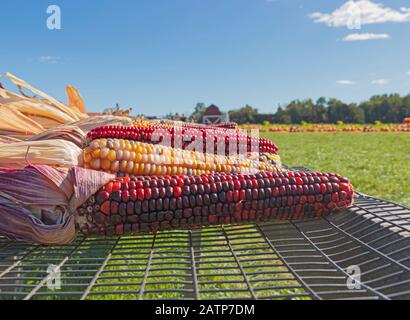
[275,260]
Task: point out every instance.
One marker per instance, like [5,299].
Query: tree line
[391,108]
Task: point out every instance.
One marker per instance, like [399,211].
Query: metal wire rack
[277,260]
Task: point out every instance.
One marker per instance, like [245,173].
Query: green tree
[246,114]
[198,113]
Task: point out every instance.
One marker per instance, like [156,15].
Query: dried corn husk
[93,122]
[67,133]
[46,99]
[57,153]
[29,115]
[15,124]
[51,115]
[37,204]
[74,99]
[6,139]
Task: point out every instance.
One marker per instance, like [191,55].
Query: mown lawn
[378,164]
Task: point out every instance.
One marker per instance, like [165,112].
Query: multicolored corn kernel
[195,201]
[136,158]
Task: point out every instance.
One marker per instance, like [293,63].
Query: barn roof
[213,110]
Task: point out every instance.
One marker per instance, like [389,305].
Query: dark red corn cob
[184,137]
[135,205]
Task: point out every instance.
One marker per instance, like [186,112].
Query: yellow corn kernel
[130,167]
[123,166]
[105,165]
[96,153]
[112,156]
[87,157]
[136,168]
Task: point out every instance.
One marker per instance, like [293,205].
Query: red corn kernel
[238,215]
[148,193]
[282,190]
[116,186]
[323,188]
[252,214]
[102,196]
[133,195]
[109,187]
[177,192]
[344,186]
[290,201]
[299,181]
[125,196]
[114,207]
[140,194]
[119,229]
[180,182]
[213,188]
[213,218]
[229,196]
[105,208]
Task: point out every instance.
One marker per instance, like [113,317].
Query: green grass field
[378,164]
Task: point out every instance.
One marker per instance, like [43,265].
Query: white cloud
[366,11]
[49,59]
[346,82]
[381,82]
[366,36]
[408,73]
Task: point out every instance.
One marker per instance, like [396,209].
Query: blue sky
[166,55]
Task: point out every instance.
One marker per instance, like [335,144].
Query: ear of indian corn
[144,204]
[210,139]
[137,158]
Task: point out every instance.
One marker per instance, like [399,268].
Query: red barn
[213,115]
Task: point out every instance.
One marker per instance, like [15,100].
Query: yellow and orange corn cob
[138,158]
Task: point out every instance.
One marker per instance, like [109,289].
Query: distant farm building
[213,115]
